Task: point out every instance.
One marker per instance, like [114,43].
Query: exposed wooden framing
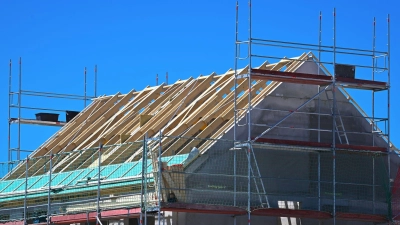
[74,139]
[135,121]
[166,115]
[198,108]
[205,96]
[227,116]
[212,109]
[70,128]
[73,163]
[125,115]
[188,107]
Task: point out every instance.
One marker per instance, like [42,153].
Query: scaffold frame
[336,82]
[19,120]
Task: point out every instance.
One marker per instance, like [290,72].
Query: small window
[289,205]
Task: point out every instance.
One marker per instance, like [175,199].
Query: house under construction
[276,143]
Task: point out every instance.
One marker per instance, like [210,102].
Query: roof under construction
[192,120]
[197,107]
[278,143]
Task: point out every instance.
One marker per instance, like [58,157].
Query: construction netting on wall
[78,179]
[10,210]
[203,172]
[395,198]
[207,177]
[255,176]
[307,178]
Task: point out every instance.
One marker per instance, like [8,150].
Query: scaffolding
[195,147]
[334,83]
[17,119]
[212,178]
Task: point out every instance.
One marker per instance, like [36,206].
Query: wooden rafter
[197,107]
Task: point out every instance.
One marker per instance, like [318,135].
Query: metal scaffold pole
[159,177]
[334,118]
[49,190]
[143,196]
[373,78]
[319,70]
[248,184]
[141,204]
[95,81]
[19,108]
[84,89]
[249,116]
[388,77]
[26,191]
[145,181]
[373,113]
[98,186]
[388,110]
[235,108]
[141,186]
[249,75]
[9,114]
[319,110]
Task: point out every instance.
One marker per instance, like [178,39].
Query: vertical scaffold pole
[95,81]
[26,190]
[388,102]
[388,78]
[19,108]
[235,107]
[334,117]
[49,190]
[9,114]
[249,74]
[319,68]
[373,78]
[145,181]
[248,184]
[159,176]
[141,186]
[319,110]
[236,66]
[249,115]
[373,113]
[98,184]
[84,88]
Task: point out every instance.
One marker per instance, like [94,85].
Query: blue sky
[132,41]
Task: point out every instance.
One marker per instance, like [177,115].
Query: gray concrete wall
[289,96]
[181,218]
[293,175]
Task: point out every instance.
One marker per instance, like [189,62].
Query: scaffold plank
[13,223]
[202,208]
[295,213]
[323,145]
[291,77]
[91,216]
[38,122]
[361,217]
[305,78]
[74,218]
